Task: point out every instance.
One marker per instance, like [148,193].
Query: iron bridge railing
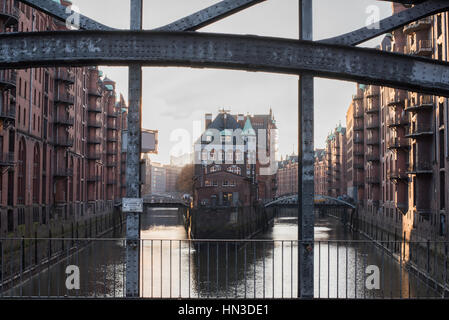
[346,269]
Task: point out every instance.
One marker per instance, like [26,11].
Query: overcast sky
[176,98]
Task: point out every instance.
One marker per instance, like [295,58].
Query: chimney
[241,119]
[208,120]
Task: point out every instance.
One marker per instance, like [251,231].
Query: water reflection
[263,268]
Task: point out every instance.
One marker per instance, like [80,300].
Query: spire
[248,128]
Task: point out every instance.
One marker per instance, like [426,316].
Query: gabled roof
[224,121]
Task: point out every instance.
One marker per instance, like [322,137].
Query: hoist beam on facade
[209,50]
[394,22]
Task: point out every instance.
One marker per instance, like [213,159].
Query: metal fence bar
[152,272]
[22,275]
[346,271]
[190,245]
[170,267]
[319,269]
[355,271]
[244,267]
[161,275]
[217,271]
[208,269]
[3,268]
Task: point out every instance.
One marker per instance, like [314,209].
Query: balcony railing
[93,140]
[397,143]
[421,48]
[420,129]
[64,172]
[420,167]
[397,121]
[64,75]
[420,103]
[8,78]
[8,113]
[95,92]
[112,126]
[94,178]
[111,164]
[373,180]
[359,165]
[94,156]
[6,159]
[358,140]
[358,113]
[114,114]
[94,123]
[372,141]
[372,124]
[64,142]
[357,97]
[358,126]
[94,108]
[372,108]
[395,98]
[371,93]
[397,174]
[65,98]
[64,120]
[10,12]
[371,157]
[421,24]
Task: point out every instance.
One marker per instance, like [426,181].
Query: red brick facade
[59,139]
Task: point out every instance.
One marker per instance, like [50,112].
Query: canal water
[173,266]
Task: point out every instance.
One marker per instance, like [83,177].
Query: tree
[185,179]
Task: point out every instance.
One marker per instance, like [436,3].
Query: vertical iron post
[133,163]
[306,162]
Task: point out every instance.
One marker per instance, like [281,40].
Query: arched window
[21,172]
[238,156]
[229,156]
[36,173]
[212,155]
[204,154]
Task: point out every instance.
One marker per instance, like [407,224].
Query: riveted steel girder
[252,53]
[209,15]
[396,21]
[192,22]
[59,12]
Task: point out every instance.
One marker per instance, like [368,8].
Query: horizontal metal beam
[405,1]
[396,21]
[208,50]
[209,15]
[58,11]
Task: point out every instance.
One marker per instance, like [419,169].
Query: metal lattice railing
[222,268]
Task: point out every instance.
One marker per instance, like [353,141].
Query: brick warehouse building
[287,176]
[59,140]
[229,173]
[398,147]
[330,178]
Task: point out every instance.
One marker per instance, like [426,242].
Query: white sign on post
[132,205]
